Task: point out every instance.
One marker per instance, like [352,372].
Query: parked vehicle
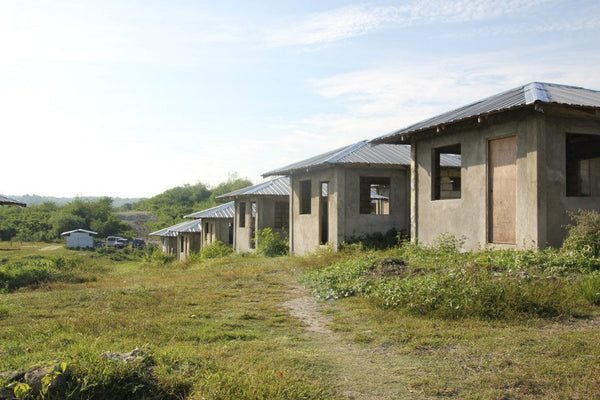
[116,241]
[138,243]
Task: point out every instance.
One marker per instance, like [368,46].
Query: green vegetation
[47,221]
[406,322]
[217,249]
[170,206]
[270,243]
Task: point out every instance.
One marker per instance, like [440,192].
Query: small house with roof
[527,157]
[217,224]
[265,205]
[348,192]
[170,244]
[79,239]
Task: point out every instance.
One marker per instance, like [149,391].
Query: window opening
[253,224]
[242,213]
[446,173]
[282,215]
[305,197]
[582,164]
[324,209]
[374,195]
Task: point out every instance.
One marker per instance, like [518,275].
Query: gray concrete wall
[467,216]
[265,218]
[554,190]
[219,230]
[345,220]
[541,204]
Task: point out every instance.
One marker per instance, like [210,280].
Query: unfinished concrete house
[217,224]
[528,156]
[168,239]
[189,237]
[265,205]
[349,192]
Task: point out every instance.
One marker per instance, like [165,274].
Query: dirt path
[49,248]
[365,373]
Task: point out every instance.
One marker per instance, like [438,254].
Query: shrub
[216,250]
[270,244]
[378,240]
[590,287]
[155,256]
[583,235]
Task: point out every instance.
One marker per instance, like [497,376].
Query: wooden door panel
[502,187]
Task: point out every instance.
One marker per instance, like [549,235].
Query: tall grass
[440,281]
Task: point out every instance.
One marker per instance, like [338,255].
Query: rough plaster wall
[555,188]
[305,227]
[345,219]
[358,224]
[242,234]
[467,216]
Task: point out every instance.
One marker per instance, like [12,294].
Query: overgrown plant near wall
[270,243]
[584,233]
[216,250]
[440,281]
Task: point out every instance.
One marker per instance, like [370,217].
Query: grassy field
[246,328]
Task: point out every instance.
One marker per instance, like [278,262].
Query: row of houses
[505,170]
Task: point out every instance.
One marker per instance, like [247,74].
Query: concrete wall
[345,220]
[265,218]
[541,202]
[169,245]
[80,239]
[467,215]
[553,192]
[188,243]
[218,229]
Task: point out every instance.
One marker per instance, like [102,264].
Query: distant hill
[32,199]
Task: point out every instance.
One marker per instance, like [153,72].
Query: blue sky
[130,98]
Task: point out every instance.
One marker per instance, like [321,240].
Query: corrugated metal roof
[221,211]
[8,200]
[78,230]
[189,227]
[279,186]
[169,231]
[360,153]
[535,92]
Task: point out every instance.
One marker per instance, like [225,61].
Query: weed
[217,249]
[584,233]
[270,243]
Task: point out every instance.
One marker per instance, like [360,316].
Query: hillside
[34,199]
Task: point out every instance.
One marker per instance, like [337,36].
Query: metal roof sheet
[186,226]
[221,211]
[8,200]
[358,153]
[279,186]
[78,230]
[534,92]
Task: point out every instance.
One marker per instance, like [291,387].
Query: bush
[590,287]
[270,244]
[155,256]
[216,250]
[378,240]
[583,235]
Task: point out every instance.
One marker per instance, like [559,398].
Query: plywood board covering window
[582,165]
[446,182]
[375,195]
[305,197]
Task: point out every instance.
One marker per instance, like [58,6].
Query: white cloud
[359,20]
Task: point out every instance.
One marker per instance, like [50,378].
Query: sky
[131,98]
